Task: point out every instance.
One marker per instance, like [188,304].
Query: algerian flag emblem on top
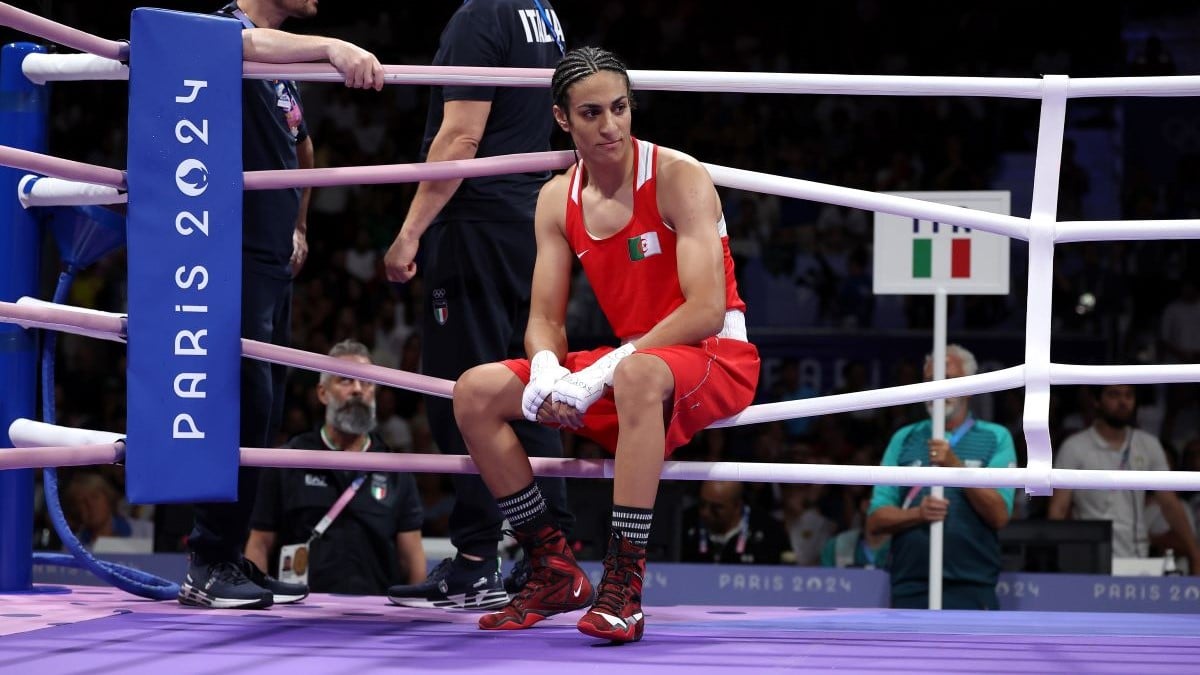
[644,246]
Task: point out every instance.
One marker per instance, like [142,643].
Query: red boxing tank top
[635,273]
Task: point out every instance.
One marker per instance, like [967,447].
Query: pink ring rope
[506,77]
[112,327]
[407,173]
[67,169]
[370,372]
[61,455]
[74,38]
[61,168]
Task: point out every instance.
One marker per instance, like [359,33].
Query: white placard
[916,257]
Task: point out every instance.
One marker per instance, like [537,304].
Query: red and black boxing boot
[556,584]
[617,613]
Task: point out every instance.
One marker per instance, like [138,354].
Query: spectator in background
[1113,443]
[395,430]
[1179,339]
[789,387]
[375,541]
[94,505]
[723,528]
[856,547]
[1153,59]
[1073,183]
[1163,538]
[808,529]
[361,257]
[1190,461]
[972,516]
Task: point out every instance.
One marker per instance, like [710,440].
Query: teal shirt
[849,549]
[971,549]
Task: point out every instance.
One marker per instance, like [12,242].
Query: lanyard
[743,534]
[953,440]
[961,431]
[336,509]
[241,16]
[347,495]
[550,27]
[867,553]
[1127,450]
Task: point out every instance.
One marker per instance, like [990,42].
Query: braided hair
[580,63]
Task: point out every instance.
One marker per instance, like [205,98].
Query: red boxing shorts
[713,380]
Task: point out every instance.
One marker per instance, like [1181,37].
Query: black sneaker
[456,583]
[221,586]
[282,592]
[515,581]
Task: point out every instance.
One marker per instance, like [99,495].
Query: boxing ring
[88,629]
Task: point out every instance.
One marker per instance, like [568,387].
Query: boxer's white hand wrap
[580,390]
[544,371]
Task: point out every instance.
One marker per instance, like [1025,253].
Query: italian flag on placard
[960,258]
[643,246]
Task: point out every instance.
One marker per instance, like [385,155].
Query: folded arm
[359,67]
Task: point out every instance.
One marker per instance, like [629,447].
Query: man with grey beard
[371,544]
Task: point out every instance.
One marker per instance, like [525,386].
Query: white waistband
[734,328]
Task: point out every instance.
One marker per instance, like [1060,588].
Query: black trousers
[477,278]
[220,528]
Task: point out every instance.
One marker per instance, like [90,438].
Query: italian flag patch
[960,258]
[643,246]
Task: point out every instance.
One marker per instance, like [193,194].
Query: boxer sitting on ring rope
[1076,232]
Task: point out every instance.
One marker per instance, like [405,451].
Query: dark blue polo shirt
[272,126]
[502,34]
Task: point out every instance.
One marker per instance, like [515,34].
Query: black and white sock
[524,509]
[633,523]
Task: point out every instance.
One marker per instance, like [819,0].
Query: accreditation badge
[293,564]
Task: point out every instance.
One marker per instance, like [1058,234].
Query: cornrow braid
[578,64]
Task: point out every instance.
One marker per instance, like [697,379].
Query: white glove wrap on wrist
[544,371]
[580,390]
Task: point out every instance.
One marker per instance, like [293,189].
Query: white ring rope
[29,436]
[26,433]
[1035,418]
[35,190]
[43,68]
[679,80]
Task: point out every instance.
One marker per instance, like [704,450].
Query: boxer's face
[598,115]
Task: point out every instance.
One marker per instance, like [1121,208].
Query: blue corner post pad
[185,253]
